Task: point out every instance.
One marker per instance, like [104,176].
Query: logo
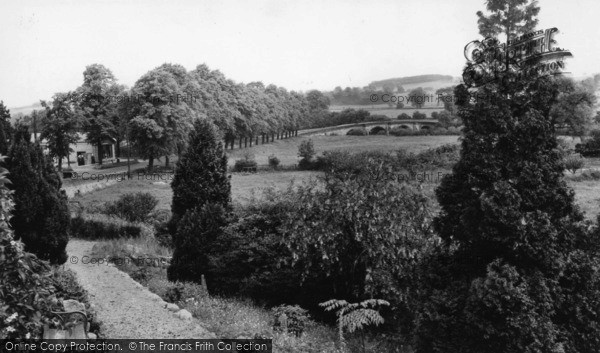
[530,55]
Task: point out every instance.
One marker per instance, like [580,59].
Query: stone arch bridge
[375,126]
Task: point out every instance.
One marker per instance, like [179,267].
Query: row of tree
[157,113]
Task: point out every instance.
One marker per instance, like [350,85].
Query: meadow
[246,185]
[287,150]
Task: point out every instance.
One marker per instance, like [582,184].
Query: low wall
[81,189]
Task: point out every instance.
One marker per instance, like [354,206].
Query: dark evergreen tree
[193,241]
[5,129]
[201,174]
[201,199]
[41,218]
[517,255]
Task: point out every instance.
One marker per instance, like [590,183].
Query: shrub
[357,132]
[517,267]
[379,117]
[296,319]
[193,240]
[574,162]
[134,207]
[371,232]
[418,115]
[591,147]
[27,291]
[355,316]
[273,161]
[201,174]
[242,165]
[400,131]
[41,218]
[403,116]
[306,150]
[587,175]
[97,226]
[246,163]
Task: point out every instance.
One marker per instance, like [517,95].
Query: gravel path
[125,307]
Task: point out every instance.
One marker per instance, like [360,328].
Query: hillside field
[587,193]
[287,150]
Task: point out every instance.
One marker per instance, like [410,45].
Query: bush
[371,231]
[97,226]
[418,115]
[244,165]
[357,132]
[590,148]
[41,218]
[296,317]
[517,269]
[403,116]
[201,173]
[273,161]
[587,175]
[134,207]
[306,150]
[247,163]
[27,291]
[574,162]
[379,117]
[193,241]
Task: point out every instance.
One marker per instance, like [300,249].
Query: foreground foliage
[201,199]
[41,217]
[518,269]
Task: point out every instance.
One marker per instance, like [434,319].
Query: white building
[88,152]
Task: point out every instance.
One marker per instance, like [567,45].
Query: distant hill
[410,80]
[397,86]
[17,112]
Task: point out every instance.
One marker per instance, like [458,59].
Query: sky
[300,45]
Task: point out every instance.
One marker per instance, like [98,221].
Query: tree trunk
[100,151]
[60,164]
[150,163]
[166,160]
[128,158]
[118,148]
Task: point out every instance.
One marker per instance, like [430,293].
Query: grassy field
[243,187]
[587,193]
[287,150]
